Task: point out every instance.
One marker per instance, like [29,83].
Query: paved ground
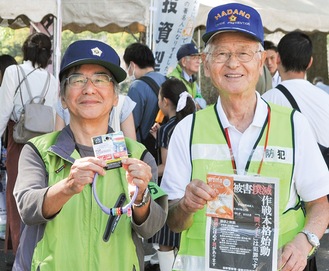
[323,253]
[6,260]
[322,257]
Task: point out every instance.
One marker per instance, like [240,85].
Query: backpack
[149,142]
[36,118]
[324,150]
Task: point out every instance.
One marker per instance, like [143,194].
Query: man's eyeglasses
[243,55]
[79,80]
[195,57]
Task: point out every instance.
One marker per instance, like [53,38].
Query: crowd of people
[194,184]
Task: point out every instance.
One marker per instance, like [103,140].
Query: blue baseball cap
[234,17]
[92,52]
[187,49]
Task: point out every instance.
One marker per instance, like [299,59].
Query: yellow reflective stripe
[217,152]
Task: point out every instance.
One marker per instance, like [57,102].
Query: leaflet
[242,223]
[111,148]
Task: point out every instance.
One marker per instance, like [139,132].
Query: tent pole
[57,39]
[149,39]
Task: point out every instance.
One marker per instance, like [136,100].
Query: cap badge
[232,18]
[96,51]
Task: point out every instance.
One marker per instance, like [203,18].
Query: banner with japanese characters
[173,27]
[242,223]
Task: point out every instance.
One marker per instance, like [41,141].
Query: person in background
[5,61]
[175,103]
[271,61]
[295,58]
[36,55]
[140,62]
[65,220]
[188,66]
[319,82]
[234,137]
[264,82]
[121,117]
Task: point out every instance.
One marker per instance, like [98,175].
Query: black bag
[150,142]
[36,118]
[324,150]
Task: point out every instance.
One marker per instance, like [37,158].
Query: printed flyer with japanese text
[242,224]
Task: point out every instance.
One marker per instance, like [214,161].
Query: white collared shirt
[310,173]
[276,79]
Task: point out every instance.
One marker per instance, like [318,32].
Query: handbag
[36,118]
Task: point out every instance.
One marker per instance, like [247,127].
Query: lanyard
[114,211]
[265,145]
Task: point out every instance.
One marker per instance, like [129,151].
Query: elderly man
[243,136]
[188,65]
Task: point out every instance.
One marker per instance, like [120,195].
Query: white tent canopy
[34,10]
[112,16]
[78,15]
[134,15]
[303,15]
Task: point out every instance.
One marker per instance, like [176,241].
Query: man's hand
[197,194]
[294,255]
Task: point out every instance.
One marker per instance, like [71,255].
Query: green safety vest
[81,223]
[191,87]
[210,153]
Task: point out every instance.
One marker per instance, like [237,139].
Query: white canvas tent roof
[78,15]
[23,11]
[304,15]
[134,15]
[112,16]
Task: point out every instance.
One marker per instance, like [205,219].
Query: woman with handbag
[36,54]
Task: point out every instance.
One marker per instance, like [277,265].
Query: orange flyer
[222,207]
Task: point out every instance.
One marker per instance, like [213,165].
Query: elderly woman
[65,227]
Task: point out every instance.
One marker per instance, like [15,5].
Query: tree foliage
[11,42]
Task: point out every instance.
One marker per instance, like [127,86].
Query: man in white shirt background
[271,61]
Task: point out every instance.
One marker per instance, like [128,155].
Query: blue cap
[92,52]
[187,49]
[234,17]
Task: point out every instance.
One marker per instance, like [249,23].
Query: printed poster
[173,26]
[242,224]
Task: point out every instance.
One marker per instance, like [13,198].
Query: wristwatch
[146,198]
[313,240]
